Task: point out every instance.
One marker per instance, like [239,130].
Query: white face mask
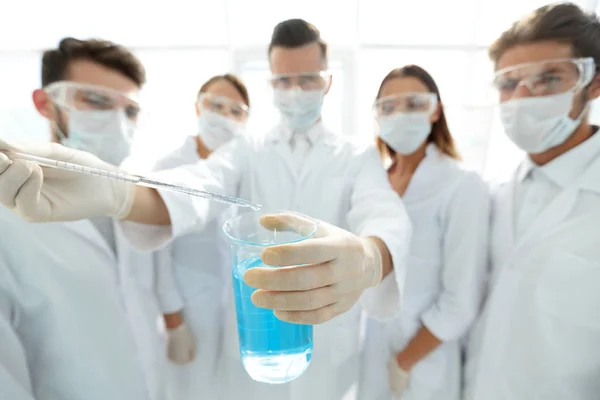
[536,124]
[299,109]
[106,134]
[215,130]
[404,132]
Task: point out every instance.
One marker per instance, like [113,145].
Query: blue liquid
[272,351]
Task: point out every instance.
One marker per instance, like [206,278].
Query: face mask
[404,132]
[536,124]
[299,109]
[106,134]
[215,130]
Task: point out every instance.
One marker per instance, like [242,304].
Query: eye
[97,100]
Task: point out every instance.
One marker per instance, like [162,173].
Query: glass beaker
[272,351]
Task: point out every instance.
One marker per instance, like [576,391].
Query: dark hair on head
[440,133]
[294,33]
[234,80]
[561,22]
[56,62]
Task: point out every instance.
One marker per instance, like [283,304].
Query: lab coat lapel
[504,217]
[86,230]
[562,205]
[315,157]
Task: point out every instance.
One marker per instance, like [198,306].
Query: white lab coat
[449,209]
[75,323]
[339,183]
[539,334]
[198,262]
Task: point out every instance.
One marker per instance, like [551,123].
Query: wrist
[404,362]
[372,261]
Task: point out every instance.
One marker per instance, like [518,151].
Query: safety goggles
[306,81]
[544,78]
[411,102]
[224,106]
[86,97]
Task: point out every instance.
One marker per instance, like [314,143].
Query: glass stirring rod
[133,179]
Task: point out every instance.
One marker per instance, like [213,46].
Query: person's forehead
[88,72]
[403,85]
[534,52]
[226,89]
[296,60]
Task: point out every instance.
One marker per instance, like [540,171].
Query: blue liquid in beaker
[272,351]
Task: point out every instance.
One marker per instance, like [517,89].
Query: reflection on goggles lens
[92,98]
[307,81]
[541,79]
[422,102]
[223,106]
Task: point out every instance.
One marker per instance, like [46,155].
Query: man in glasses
[77,307]
[362,237]
[539,333]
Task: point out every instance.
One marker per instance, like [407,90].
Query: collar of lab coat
[567,168]
[431,176]
[314,134]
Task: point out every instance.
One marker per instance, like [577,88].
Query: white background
[184,42]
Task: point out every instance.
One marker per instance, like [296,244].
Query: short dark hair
[294,33]
[234,80]
[440,133]
[55,62]
[562,22]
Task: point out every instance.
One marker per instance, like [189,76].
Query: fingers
[313,317]
[306,277]
[311,251]
[13,175]
[290,221]
[29,202]
[305,300]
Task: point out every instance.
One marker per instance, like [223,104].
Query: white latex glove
[397,378]
[341,266]
[42,194]
[181,345]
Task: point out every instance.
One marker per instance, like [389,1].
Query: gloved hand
[181,345]
[42,194]
[397,377]
[340,267]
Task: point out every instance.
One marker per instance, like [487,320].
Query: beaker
[272,351]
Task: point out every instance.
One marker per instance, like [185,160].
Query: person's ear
[43,104]
[197,109]
[437,113]
[594,89]
[330,80]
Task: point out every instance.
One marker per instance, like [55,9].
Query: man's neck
[581,134]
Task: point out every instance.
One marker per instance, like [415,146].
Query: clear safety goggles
[86,97]
[544,78]
[411,102]
[224,106]
[306,81]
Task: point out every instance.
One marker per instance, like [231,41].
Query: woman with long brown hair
[449,210]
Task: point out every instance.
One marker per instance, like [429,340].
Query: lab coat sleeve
[377,211]
[168,294]
[15,381]
[219,173]
[464,256]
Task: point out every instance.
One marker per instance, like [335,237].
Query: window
[417,23]
[174,78]
[252,22]
[131,23]
[254,71]
[19,77]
